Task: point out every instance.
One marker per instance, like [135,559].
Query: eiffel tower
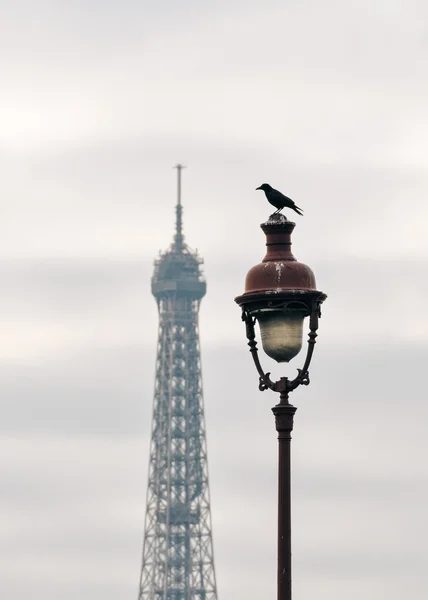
[178,560]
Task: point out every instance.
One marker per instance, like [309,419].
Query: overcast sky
[327,101]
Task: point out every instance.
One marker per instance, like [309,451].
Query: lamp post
[279,293]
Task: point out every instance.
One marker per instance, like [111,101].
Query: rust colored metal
[279,278]
[280,282]
[279,269]
[284,415]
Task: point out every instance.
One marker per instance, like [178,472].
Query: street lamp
[279,293]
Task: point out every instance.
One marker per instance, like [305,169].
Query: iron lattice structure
[178,560]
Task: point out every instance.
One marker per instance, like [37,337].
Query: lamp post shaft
[284,414]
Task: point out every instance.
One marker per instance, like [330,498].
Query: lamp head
[280,292]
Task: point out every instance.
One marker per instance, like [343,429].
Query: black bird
[278,200]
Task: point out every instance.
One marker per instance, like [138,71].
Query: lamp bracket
[284,386]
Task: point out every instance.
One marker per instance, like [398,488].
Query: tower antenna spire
[179,238]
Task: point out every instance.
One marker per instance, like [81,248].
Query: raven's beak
[259,188]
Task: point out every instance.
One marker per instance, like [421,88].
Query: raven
[278,200]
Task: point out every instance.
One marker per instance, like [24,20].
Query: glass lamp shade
[281,333]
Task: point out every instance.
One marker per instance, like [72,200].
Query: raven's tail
[298,210]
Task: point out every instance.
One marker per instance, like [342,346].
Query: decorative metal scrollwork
[284,385]
[303,377]
[262,383]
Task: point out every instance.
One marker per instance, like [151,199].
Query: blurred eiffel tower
[178,560]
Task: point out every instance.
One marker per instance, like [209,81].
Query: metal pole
[179,168]
[284,413]
[178,211]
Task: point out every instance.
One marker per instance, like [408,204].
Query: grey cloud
[91,531]
[325,102]
[117,200]
[105,350]
[73,289]
[105,387]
